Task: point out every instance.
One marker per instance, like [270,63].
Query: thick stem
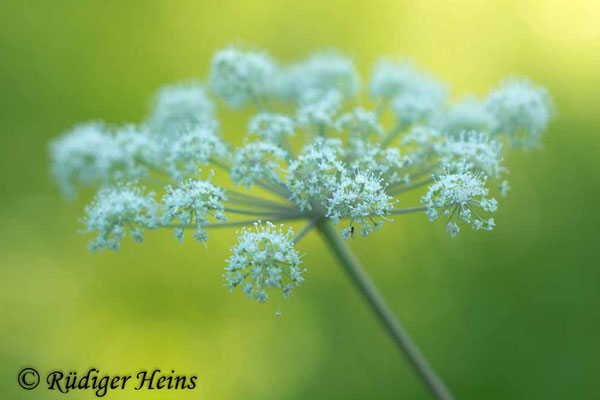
[378,305]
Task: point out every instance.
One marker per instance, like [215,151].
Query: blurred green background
[512,313]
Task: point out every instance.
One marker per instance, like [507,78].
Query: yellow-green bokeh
[506,314]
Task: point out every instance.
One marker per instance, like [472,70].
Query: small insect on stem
[352,231]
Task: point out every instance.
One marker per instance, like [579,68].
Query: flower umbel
[458,194]
[263,259]
[116,209]
[313,152]
[193,201]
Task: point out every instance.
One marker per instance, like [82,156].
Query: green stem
[378,305]
[397,190]
[408,210]
[392,134]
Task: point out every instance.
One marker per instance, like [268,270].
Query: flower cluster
[264,258]
[314,152]
[116,209]
[257,161]
[522,110]
[193,201]
[180,105]
[457,194]
[272,127]
[92,153]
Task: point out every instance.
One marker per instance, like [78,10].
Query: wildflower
[457,194]
[263,259]
[318,108]
[271,127]
[257,161]
[313,176]
[352,168]
[387,163]
[324,71]
[90,154]
[469,114]
[193,146]
[476,149]
[178,105]
[390,79]
[192,202]
[522,109]
[360,197]
[116,209]
[359,123]
[420,106]
[239,76]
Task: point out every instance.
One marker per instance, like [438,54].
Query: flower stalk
[384,313]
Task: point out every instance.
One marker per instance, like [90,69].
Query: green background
[512,313]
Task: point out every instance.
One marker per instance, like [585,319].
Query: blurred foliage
[511,313]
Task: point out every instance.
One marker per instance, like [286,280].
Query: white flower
[469,114]
[313,176]
[476,149]
[90,154]
[116,209]
[318,108]
[522,110]
[193,201]
[387,163]
[323,71]
[359,123]
[197,145]
[178,105]
[271,127]
[239,76]
[264,258]
[351,165]
[391,78]
[417,107]
[257,161]
[457,194]
[360,197]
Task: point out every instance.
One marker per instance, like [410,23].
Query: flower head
[322,71]
[522,109]
[318,108]
[359,123]
[271,127]
[193,146]
[257,161]
[391,79]
[263,259]
[116,209]
[476,149]
[178,105]
[413,108]
[313,176]
[192,202]
[469,114]
[360,197]
[90,154]
[239,76]
[387,163]
[457,194]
